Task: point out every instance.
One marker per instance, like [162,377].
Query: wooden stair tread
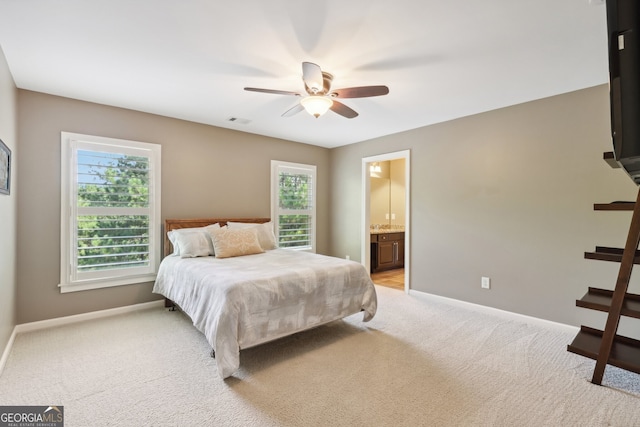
[610,158]
[600,299]
[625,352]
[603,253]
[606,347]
[614,206]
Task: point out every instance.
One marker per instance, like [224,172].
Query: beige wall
[507,194]
[206,171]
[8,205]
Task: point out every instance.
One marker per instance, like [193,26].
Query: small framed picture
[5,169]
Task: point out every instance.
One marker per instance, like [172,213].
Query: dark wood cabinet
[387,251]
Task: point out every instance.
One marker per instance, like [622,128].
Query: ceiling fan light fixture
[318,96]
[316,105]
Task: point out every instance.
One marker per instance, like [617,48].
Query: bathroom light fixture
[316,105]
[375,168]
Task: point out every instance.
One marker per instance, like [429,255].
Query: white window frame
[70,279]
[278,166]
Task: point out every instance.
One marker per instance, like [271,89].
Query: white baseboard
[496,312]
[59,321]
[7,350]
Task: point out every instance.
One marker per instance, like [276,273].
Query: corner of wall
[8,206]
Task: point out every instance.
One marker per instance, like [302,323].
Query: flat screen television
[623,27]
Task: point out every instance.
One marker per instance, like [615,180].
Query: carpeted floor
[416,363]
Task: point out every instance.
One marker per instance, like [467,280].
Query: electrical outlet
[348,257]
[485,283]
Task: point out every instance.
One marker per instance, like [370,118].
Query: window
[110,219]
[293,205]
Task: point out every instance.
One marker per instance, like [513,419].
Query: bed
[264,293]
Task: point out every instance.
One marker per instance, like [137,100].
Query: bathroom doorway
[385,218]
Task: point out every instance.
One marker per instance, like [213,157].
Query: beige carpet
[414,364]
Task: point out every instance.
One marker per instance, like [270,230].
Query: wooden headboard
[174,224]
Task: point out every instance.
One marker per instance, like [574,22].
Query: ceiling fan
[319,97]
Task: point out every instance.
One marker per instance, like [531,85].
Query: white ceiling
[191,59]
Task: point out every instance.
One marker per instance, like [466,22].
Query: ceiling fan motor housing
[327,78]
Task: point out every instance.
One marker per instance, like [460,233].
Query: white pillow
[266,237]
[192,242]
[172,235]
[229,242]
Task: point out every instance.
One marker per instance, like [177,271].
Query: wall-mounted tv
[623,26]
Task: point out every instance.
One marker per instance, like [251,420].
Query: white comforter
[244,301]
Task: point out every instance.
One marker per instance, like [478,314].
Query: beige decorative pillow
[228,242]
[266,237]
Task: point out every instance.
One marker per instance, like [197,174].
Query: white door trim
[365,253]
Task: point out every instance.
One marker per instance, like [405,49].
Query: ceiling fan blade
[361,91]
[312,76]
[277,92]
[343,110]
[293,110]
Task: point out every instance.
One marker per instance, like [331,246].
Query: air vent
[238,120]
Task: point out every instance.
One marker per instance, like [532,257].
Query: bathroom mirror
[387,194]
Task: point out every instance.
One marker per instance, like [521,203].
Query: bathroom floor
[390,278]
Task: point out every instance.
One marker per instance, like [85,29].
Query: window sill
[88,285]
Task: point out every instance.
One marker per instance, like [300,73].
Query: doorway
[391,227]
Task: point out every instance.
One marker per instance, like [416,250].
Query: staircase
[607,347]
